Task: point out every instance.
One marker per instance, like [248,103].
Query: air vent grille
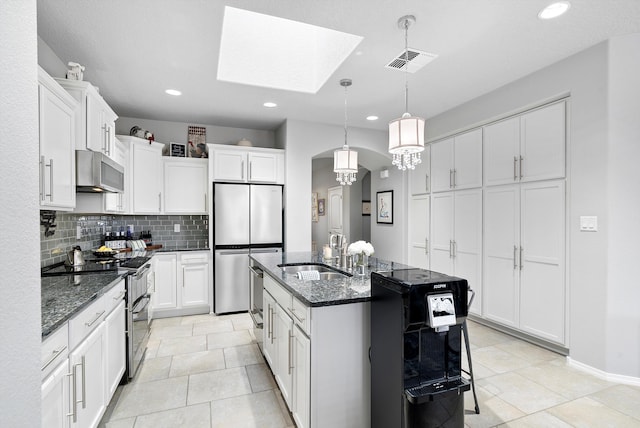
[416,60]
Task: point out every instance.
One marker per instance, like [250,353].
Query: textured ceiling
[134,50]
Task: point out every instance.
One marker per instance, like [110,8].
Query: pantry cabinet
[57,140]
[419,178]
[456,163]
[182,283]
[456,238]
[524,258]
[419,215]
[185,186]
[240,164]
[528,147]
[95,120]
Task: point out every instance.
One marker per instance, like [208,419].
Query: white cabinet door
[467,246]
[57,136]
[55,398]
[419,231]
[87,365]
[420,176]
[501,252]
[442,165]
[146,177]
[269,344]
[229,165]
[542,285]
[165,296]
[263,167]
[115,355]
[442,210]
[502,152]
[117,202]
[194,284]
[335,209]
[301,400]
[283,331]
[95,117]
[185,186]
[467,157]
[542,143]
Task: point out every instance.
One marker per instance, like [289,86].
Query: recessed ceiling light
[270,105]
[372,118]
[554,10]
[173,92]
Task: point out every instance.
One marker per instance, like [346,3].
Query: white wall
[20,334]
[623,202]
[304,140]
[323,177]
[176,132]
[599,149]
[390,240]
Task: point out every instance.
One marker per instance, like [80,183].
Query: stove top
[97,265]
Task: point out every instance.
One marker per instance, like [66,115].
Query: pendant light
[406,134]
[345,160]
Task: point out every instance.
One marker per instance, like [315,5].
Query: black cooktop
[96,266]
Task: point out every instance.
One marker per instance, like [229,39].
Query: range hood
[95,173]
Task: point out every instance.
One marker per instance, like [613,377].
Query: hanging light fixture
[406,134]
[345,160]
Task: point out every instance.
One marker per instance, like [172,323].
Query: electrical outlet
[176,227]
[588,223]
[78,232]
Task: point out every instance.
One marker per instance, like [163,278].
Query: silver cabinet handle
[426,245]
[84,384]
[426,182]
[455,172]
[50,166]
[120,296]
[242,170]
[515,263]
[73,405]
[250,175]
[89,324]
[521,175]
[107,146]
[205,202]
[290,351]
[521,263]
[54,355]
[450,248]
[455,249]
[42,181]
[450,178]
[293,312]
[256,271]
[160,202]
[104,138]
[515,165]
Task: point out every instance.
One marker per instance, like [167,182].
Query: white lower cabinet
[88,382]
[419,231]
[182,284]
[321,387]
[524,258]
[115,355]
[55,397]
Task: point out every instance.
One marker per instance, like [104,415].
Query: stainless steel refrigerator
[246,218]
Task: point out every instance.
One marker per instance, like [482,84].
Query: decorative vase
[361,262]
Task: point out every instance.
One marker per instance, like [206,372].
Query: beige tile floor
[207,371]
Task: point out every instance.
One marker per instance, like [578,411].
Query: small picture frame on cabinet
[177,150]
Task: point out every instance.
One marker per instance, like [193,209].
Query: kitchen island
[316,339]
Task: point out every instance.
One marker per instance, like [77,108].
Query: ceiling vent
[416,60]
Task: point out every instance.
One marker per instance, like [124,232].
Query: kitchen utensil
[75,257]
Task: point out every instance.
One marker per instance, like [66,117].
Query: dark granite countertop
[65,296]
[166,249]
[322,292]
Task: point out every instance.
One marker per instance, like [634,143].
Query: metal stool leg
[470,372]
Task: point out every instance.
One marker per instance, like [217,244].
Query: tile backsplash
[194,232]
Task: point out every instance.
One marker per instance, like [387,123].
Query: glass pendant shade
[345,165]
[406,141]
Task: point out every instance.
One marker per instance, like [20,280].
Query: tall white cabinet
[456,163]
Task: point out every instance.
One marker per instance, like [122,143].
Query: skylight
[272,52]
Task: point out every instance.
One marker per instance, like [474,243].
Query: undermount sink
[326,272]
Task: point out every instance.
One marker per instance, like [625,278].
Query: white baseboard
[611,377]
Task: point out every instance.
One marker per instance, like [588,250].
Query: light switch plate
[588,223]
[176,227]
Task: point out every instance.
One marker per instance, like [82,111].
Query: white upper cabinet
[456,163]
[57,135]
[95,120]
[185,186]
[528,147]
[419,178]
[145,175]
[246,165]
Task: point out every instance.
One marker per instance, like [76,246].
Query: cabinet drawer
[85,322]
[55,349]
[282,296]
[194,258]
[301,315]
[113,297]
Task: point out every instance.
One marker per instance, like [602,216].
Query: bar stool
[466,345]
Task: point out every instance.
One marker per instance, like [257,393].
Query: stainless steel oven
[138,328]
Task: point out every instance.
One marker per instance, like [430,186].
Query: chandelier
[345,160]
[406,134]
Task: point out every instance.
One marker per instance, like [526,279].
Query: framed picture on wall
[320,206]
[366,207]
[384,207]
